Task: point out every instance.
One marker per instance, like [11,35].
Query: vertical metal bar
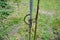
[31,7]
[36,18]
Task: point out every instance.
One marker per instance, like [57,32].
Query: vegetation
[5,11]
[12,26]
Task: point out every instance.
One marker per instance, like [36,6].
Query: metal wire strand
[36,18]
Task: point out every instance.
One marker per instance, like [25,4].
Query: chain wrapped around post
[30,20]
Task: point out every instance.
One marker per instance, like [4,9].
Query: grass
[46,23]
[51,5]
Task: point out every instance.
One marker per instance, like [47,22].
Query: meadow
[48,21]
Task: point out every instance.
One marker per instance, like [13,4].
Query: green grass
[50,5]
[46,23]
